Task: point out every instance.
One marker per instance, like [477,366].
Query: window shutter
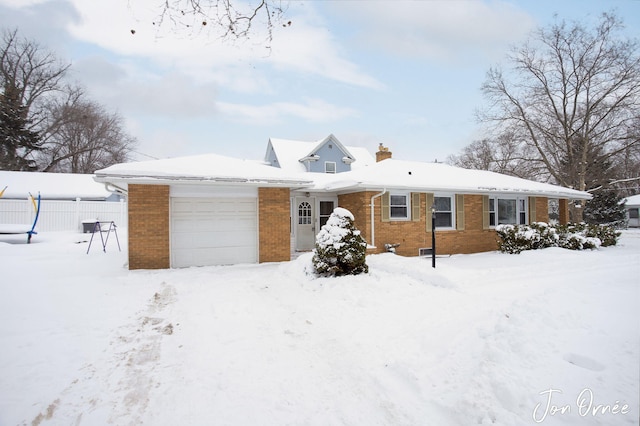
[532,209]
[386,209]
[485,212]
[460,212]
[428,213]
[415,206]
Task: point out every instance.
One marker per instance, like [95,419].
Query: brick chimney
[383,153]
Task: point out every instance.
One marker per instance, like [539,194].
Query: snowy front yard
[551,336]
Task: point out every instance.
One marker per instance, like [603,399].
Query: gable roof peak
[331,138]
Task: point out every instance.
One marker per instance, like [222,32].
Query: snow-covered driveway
[482,339]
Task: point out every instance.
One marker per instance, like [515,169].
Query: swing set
[15,229]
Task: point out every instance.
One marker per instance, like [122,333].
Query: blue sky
[403,73]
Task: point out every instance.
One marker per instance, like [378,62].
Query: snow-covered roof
[290,152]
[634,200]
[51,186]
[211,168]
[439,177]
[388,174]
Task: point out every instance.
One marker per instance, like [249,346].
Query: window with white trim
[399,206]
[522,211]
[329,167]
[507,211]
[444,211]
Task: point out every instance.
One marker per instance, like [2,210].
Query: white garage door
[213,231]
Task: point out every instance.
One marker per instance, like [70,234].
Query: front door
[305,224]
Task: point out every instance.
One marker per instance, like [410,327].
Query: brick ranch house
[212,210]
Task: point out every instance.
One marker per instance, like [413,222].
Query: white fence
[58,215]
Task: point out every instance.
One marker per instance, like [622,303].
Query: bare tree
[572,95]
[234,19]
[86,138]
[29,72]
[28,75]
[47,124]
[504,154]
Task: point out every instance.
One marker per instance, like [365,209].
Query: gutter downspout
[373,232]
[115,189]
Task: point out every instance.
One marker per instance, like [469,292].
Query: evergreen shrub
[516,238]
[339,248]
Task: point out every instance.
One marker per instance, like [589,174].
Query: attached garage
[213,231]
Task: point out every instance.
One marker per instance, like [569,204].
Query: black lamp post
[433,236]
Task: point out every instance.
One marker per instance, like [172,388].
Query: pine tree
[17,141]
[606,207]
[340,249]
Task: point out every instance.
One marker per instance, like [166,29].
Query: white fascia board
[220,180]
[353,186]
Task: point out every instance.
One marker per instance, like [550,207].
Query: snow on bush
[340,249]
[517,238]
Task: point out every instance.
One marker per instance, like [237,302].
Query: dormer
[326,156]
[329,156]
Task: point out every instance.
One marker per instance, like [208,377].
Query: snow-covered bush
[340,249]
[606,234]
[517,238]
[512,239]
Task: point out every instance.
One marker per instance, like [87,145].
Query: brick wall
[148,226]
[413,235]
[563,204]
[473,239]
[542,210]
[274,223]
[358,204]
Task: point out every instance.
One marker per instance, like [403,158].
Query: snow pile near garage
[481,339]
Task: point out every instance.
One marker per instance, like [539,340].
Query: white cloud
[312,110]
[130,89]
[438,30]
[42,21]
[302,47]
[21,3]
[312,49]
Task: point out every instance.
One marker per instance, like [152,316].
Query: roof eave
[364,186]
[212,180]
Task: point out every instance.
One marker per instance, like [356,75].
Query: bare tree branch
[231,19]
[571,94]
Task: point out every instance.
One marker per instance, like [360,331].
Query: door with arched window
[305,223]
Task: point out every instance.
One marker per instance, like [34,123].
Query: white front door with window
[305,223]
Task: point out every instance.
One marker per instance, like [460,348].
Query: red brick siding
[148,226]
[274,223]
